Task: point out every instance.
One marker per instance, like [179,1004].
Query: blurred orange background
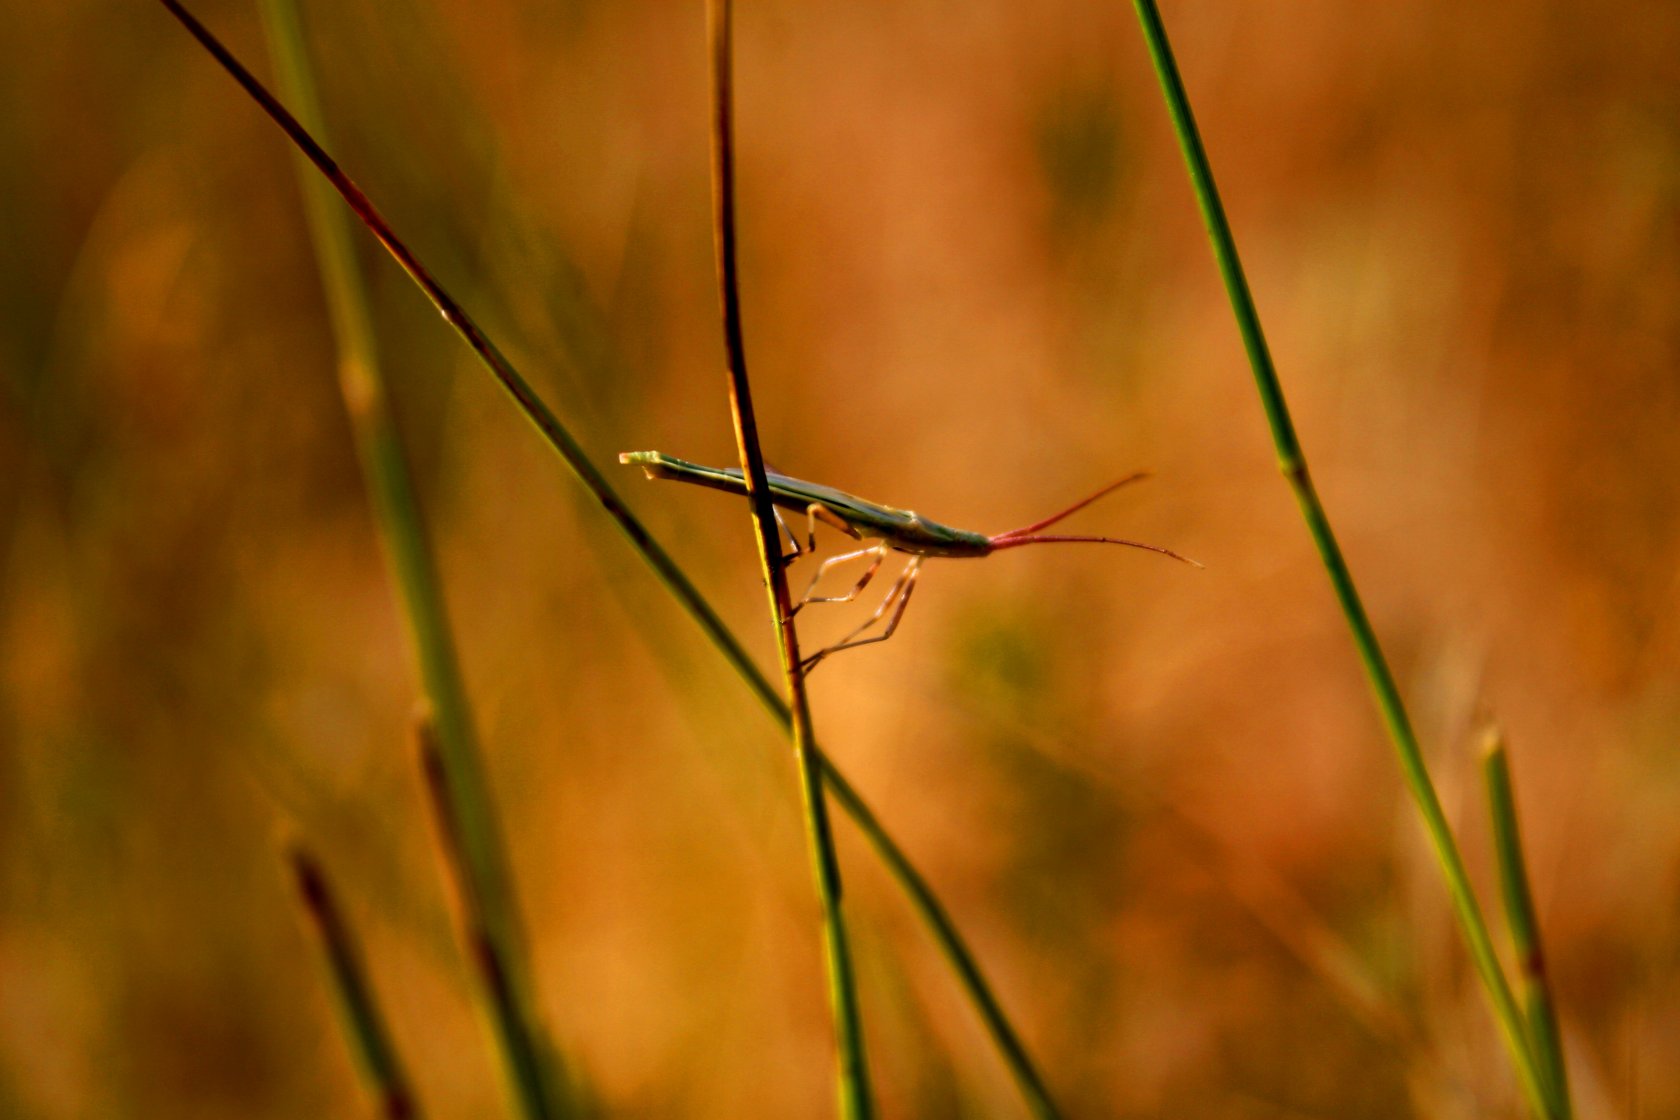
[1157,800]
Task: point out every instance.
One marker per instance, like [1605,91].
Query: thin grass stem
[529,1061]
[358,1010]
[402,532]
[856,1100]
[1293,464]
[1524,925]
[926,903]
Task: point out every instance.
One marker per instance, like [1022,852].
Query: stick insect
[889,530]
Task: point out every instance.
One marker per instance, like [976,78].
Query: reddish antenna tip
[1018,538]
[1030,534]
[1135,476]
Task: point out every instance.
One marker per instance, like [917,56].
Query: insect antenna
[1032,534]
[1037,526]
[1019,537]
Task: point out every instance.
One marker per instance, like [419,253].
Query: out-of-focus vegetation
[1157,800]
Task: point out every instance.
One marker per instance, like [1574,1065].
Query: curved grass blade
[1292,462]
[482,861]
[358,1011]
[925,902]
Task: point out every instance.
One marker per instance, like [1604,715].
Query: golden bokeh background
[1157,800]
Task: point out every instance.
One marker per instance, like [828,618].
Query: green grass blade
[1022,1068]
[1293,463]
[1524,925]
[927,905]
[525,1053]
[369,1037]
[402,529]
[856,1100]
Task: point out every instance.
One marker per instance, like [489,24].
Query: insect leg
[793,541]
[878,551]
[816,512]
[895,602]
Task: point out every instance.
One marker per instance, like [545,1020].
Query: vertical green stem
[402,529]
[946,936]
[1524,925]
[856,1102]
[358,1010]
[1293,464]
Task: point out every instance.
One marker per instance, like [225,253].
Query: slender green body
[901,529]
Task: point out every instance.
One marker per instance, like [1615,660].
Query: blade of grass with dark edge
[524,1052]
[402,529]
[927,905]
[1524,925]
[360,1014]
[856,1101]
[1293,464]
